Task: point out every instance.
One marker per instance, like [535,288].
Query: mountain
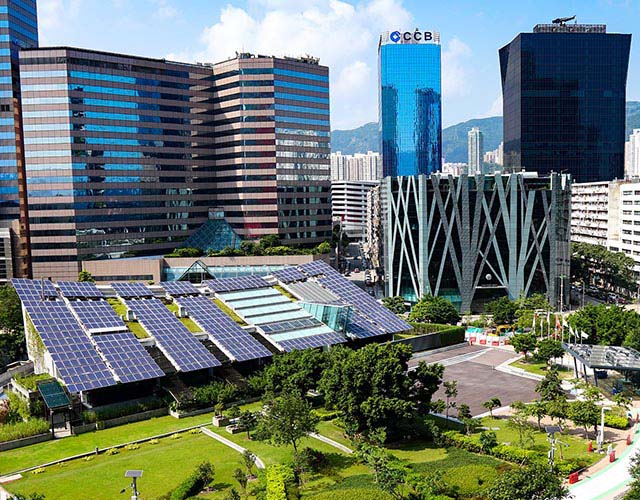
[454,138]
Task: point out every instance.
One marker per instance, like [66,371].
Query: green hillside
[454,138]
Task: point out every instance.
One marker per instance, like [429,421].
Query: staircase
[177,388]
[161,360]
[217,353]
[233,376]
[256,335]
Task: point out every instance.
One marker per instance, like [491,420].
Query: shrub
[616,421]
[501,451]
[312,460]
[213,393]
[281,484]
[197,430]
[132,446]
[122,409]
[39,470]
[195,483]
[19,430]
[154,441]
[112,451]
[30,382]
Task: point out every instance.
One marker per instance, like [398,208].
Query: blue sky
[342,33]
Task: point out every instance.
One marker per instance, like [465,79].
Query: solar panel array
[34,289]
[361,327]
[239,283]
[79,289]
[318,268]
[365,304]
[224,331]
[173,338]
[76,359]
[311,341]
[128,290]
[126,357]
[177,288]
[97,316]
[296,324]
[289,275]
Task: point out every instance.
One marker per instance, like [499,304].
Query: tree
[287,419]
[247,421]
[491,405]
[550,387]
[425,381]
[524,343]
[430,309]
[232,494]
[451,392]
[188,252]
[488,441]
[12,341]
[249,461]
[584,414]
[503,311]
[634,471]
[86,276]
[269,241]
[537,409]
[395,304]
[241,478]
[518,422]
[323,248]
[387,472]
[369,386]
[549,349]
[527,483]
[595,263]
[464,415]
[296,371]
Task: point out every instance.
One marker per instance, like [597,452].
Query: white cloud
[342,35]
[456,81]
[496,107]
[55,16]
[165,10]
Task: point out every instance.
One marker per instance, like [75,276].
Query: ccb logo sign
[409,36]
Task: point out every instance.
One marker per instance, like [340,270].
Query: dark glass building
[116,150]
[18,30]
[410,103]
[564,92]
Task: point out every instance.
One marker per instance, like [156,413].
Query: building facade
[495,157]
[475,149]
[410,102]
[632,155]
[592,205]
[357,167]
[18,30]
[272,165]
[564,93]
[473,239]
[116,154]
[349,205]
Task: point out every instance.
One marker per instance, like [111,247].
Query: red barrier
[628,439]
[590,447]
[573,478]
[612,456]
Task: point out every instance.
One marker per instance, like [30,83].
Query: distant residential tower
[475,146]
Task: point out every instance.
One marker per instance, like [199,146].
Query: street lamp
[551,431]
[134,475]
[601,431]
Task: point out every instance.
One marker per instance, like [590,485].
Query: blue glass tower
[410,102]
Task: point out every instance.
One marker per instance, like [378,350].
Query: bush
[501,451]
[615,421]
[19,430]
[452,336]
[195,483]
[213,393]
[281,483]
[311,460]
[30,382]
[430,309]
[122,409]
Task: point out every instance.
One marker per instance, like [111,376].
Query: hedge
[616,421]
[281,483]
[122,409]
[424,328]
[195,483]
[451,336]
[19,430]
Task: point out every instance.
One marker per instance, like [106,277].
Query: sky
[342,33]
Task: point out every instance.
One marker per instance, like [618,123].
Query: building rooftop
[570,28]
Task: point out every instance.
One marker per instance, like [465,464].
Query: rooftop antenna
[563,20]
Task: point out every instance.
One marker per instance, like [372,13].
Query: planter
[193,413]
[233,429]
[220,421]
[19,443]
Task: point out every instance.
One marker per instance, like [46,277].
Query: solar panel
[128,290]
[361,328]
[34,289]
[318,268]
[312,341]
[239,283]
[367,305]
[173,338]
[225,332]
[78,363]
[289,275]
[177,288]
[285,326]
[75,289]
[127,357]
[97,316]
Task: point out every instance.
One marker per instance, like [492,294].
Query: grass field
[134,326]
[188,322]
[539,368]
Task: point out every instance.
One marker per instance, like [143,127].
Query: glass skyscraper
[18,30]
[564,92]
[410,102]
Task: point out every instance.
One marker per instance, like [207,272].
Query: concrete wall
[28,441]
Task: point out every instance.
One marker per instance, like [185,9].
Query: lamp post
[134,475]
[601,431]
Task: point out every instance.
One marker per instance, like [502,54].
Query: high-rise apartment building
[410,102]
[116,153]
[495,156]
[272,129]
[357,167]
[18,30]
[475,148]
[632,155]
[564,91]
[349,205]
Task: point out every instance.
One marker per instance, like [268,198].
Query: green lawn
[134,326]
[49,451]
[229,312]
[576,449]
[188,322]
[333,431]
[164,464]
[539,368]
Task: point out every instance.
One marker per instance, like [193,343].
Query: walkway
[331,442]
[610,481]
[231,444]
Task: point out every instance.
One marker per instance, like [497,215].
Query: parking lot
[478,380]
